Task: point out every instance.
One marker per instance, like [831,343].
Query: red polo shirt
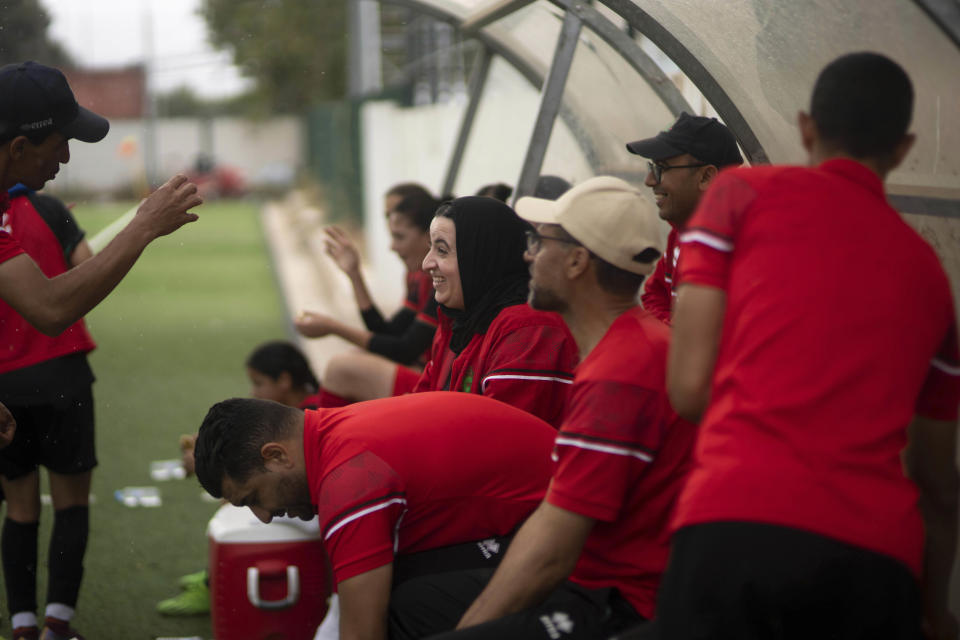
[9,248]
[21,345]
[659,290]
[525,358]
[839,327]
[623,455]
[421,471]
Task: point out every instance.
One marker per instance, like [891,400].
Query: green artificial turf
[172,339]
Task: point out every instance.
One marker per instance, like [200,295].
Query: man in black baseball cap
[38,101]
[682,162]
[38,116]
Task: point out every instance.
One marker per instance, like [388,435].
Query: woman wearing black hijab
[489,341]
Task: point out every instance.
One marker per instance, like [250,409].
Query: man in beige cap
[588,561]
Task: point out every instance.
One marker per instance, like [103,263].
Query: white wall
[400,145]
[259,149]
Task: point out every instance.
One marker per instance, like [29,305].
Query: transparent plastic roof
[766,55]
[605,103]
[755,61]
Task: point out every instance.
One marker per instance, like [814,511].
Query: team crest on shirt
[467,382]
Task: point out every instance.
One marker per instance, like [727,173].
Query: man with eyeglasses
[683,160]
[588,561]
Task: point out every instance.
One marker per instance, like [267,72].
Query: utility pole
[149,102]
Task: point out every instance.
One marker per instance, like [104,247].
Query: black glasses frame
[535,241]
[657,169]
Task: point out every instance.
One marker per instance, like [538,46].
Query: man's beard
[296,498]
[543,299]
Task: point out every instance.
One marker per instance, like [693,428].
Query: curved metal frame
[550,101]
[698,74]
[533,75]
[944,13]
[478,82]
[636,57]
[924,205]
[492,12]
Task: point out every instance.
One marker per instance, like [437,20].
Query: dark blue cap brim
[86,127]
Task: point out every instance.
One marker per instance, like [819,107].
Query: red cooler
[267,581]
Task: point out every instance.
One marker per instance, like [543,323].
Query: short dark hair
[418,209]
[497,190]
[615,280]
[550,187]
[862,103]
[407,189]
[231,436]
[278,356]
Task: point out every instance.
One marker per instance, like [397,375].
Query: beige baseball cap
[608,216]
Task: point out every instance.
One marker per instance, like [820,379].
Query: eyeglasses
[657,169]
[535,240]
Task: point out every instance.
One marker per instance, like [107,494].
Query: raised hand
[167,208]
[340,247]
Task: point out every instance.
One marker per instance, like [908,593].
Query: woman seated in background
[395,349]
[489,340]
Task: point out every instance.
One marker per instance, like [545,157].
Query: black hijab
[493,275]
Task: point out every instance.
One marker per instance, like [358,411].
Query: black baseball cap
[550,187]
[706,139]
[36,99]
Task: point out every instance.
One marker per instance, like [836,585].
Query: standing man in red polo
[42,377]
[683,161]
[47,384]
[815,335]
[38,117]
[588,562]
[403,486]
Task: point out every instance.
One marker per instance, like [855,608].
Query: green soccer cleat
[194,601]
[191,579]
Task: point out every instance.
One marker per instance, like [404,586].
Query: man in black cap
[38,116]
[683,160]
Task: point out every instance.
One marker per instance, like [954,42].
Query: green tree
[295,50]
[23,35]
[183,102]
